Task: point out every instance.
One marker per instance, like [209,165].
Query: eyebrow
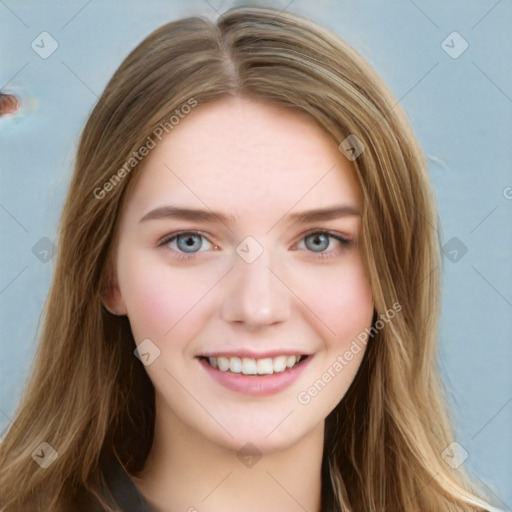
[209,216]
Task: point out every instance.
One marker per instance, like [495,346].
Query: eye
[186,242]
[320,241]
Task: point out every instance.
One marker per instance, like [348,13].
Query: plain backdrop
[449,64]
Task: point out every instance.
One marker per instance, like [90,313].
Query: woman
[245,304]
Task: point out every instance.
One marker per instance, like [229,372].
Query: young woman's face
[221,255]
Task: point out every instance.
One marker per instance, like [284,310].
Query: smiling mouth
[258,367]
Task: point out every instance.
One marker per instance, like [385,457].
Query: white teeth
[223,363]
[264,366]
[290,361]
[250,366]
[279,364]
[235,364]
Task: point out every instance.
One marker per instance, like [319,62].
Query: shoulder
[125,494]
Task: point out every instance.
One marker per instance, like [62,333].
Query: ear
[111,296]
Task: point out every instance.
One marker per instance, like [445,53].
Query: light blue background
[461,110]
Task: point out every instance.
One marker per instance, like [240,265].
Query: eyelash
[182,256]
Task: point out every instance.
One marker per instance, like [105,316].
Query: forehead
[246,156]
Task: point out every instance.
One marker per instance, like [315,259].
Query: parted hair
[88,396]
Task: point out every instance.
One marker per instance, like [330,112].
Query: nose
[256,297]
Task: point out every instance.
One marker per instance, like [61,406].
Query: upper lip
[253,354]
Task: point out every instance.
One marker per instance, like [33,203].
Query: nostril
[9,104]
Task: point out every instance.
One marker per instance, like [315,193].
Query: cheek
[352,309]
[158,298]
[342,302]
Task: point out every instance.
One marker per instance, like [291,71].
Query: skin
[259,163]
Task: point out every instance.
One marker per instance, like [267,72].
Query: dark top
[127,496]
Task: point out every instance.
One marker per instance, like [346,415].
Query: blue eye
[185,243]
[319,241]
[188,243]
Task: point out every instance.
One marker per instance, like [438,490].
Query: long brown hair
[89,397]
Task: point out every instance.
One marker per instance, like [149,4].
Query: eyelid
[166,239]
[171,236]
[343,240]
[333,234]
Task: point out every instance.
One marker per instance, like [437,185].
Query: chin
[265,437]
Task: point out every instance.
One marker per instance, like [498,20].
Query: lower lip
[256,385]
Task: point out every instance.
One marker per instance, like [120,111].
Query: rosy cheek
[358,311]
[150,301]
[160,299]
[343,303]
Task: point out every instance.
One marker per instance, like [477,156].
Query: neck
[185,471]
